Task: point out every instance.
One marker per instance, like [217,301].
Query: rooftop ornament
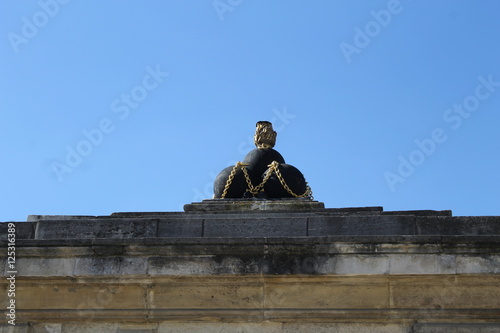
[263,173]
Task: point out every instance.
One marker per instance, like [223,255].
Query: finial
[265,136]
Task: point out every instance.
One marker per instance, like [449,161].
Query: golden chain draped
[272,168]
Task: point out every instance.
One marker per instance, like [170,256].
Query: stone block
[46,328]
[4,286]
[446,292]
[456,328]
[461,225]
[147,215]
[422,264]
[24,230]
[361,225]
[356,264]
[4,263]
[36,218]
[205,265]
[180,227]
[89,327]
[264,327]
[208,293]
[255,227]
[419,212]
[18,328]
[34,266]
[373,210]
[345,328]
[110,266]
[86,299]
[328,292]
[97,228]
[478,264]
[138,328]
[281,261]
[254,204]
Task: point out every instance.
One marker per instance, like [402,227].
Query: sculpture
[265,136]
[265,167]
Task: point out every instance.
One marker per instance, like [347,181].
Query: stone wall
[299,268]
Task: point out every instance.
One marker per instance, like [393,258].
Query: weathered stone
[327,292]
[215,265]
[243,327]
[361,225]
[485,264]
[18,328]
[459,328]
[356,264]
[46,328]
[250,227]
[24,230]
[97,228]
[121,265]
[346,328]
[446,292]
[180,227]
[419,212]
[91,327]
[460,225]
[253,204]
[375,210]
[45,266]
[207,293]
[84,299]
[422,264]
[138,328]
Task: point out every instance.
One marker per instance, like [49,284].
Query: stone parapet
[264,270]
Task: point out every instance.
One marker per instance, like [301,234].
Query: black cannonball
[238,185]
[259,159]
[293,178]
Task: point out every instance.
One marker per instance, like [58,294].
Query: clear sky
[121,105]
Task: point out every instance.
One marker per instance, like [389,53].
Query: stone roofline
[201,220]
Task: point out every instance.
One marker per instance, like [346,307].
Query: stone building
[254,265]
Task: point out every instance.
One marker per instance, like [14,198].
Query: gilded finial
[265,136]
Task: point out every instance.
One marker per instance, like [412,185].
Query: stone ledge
[215,208]
[253,323]
[451,241]
[254,204]
[255,225]
[281,256]
[274,263]
[454,327]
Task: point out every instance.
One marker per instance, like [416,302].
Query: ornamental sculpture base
[254,204]
[263,173]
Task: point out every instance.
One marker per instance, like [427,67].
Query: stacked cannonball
[232,182]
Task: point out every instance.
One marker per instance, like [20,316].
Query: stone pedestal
[254,204]
[256,266]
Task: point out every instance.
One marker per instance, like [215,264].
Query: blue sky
[120,105]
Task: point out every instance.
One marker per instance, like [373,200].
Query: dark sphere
[238,186]
[293,178]
[259,159]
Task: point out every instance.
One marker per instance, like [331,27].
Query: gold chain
[259,188]
[273,167]
[306,194]
[230,179]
